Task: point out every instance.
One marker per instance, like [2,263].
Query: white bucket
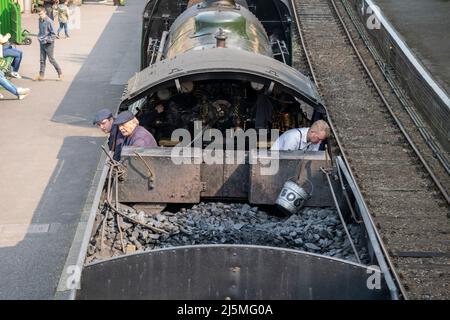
[292,197]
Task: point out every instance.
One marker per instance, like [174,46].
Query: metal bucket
[292,197]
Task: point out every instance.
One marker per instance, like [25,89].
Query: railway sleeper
[424,278]
[391,181]
[421,201]
[415,242]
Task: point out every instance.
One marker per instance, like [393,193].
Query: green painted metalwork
[11,21]
[197,28]
[5,64]
[230,21]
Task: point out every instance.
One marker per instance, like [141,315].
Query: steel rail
[344,156]
[341,217]
[388,106]
[372,232]
[396,119]
[384,68]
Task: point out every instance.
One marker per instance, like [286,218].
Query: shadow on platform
[92,89]
[40,256]
[31,269]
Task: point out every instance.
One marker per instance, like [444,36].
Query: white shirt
[295,139]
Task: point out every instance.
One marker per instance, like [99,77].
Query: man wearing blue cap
[135,135]
[104,120]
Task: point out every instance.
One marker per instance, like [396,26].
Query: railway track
[407,201]
[403,107]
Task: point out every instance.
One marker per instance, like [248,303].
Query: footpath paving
[49,147]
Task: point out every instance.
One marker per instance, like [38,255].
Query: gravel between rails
[408,210]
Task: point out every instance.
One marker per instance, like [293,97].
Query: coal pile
[316,230]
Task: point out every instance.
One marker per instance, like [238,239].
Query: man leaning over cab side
[105,121]
[304,139]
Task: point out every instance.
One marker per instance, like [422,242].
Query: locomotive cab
[224,64]
[213,83]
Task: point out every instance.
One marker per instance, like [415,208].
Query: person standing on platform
[46,37]
[63,17]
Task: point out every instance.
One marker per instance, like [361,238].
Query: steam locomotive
[225,63]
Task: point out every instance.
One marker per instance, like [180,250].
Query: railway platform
[424,26]
[50,149]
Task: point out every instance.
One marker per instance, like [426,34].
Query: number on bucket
[291,197]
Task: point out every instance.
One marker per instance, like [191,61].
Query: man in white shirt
[305,139]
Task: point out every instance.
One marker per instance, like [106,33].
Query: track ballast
[410,212]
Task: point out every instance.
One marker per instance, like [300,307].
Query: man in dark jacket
[46,37]
[135,135]
[104,120]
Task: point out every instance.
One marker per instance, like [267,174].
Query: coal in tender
[316,230]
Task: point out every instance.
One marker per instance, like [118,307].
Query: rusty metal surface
[172,183]
[227,271]
[187,183]
[212,180]
[264,189]
[236,180]
[225,180]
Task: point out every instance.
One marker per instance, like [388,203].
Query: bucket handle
[295,180]
[301,166]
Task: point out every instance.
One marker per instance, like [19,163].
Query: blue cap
[102,115]
[123,117]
